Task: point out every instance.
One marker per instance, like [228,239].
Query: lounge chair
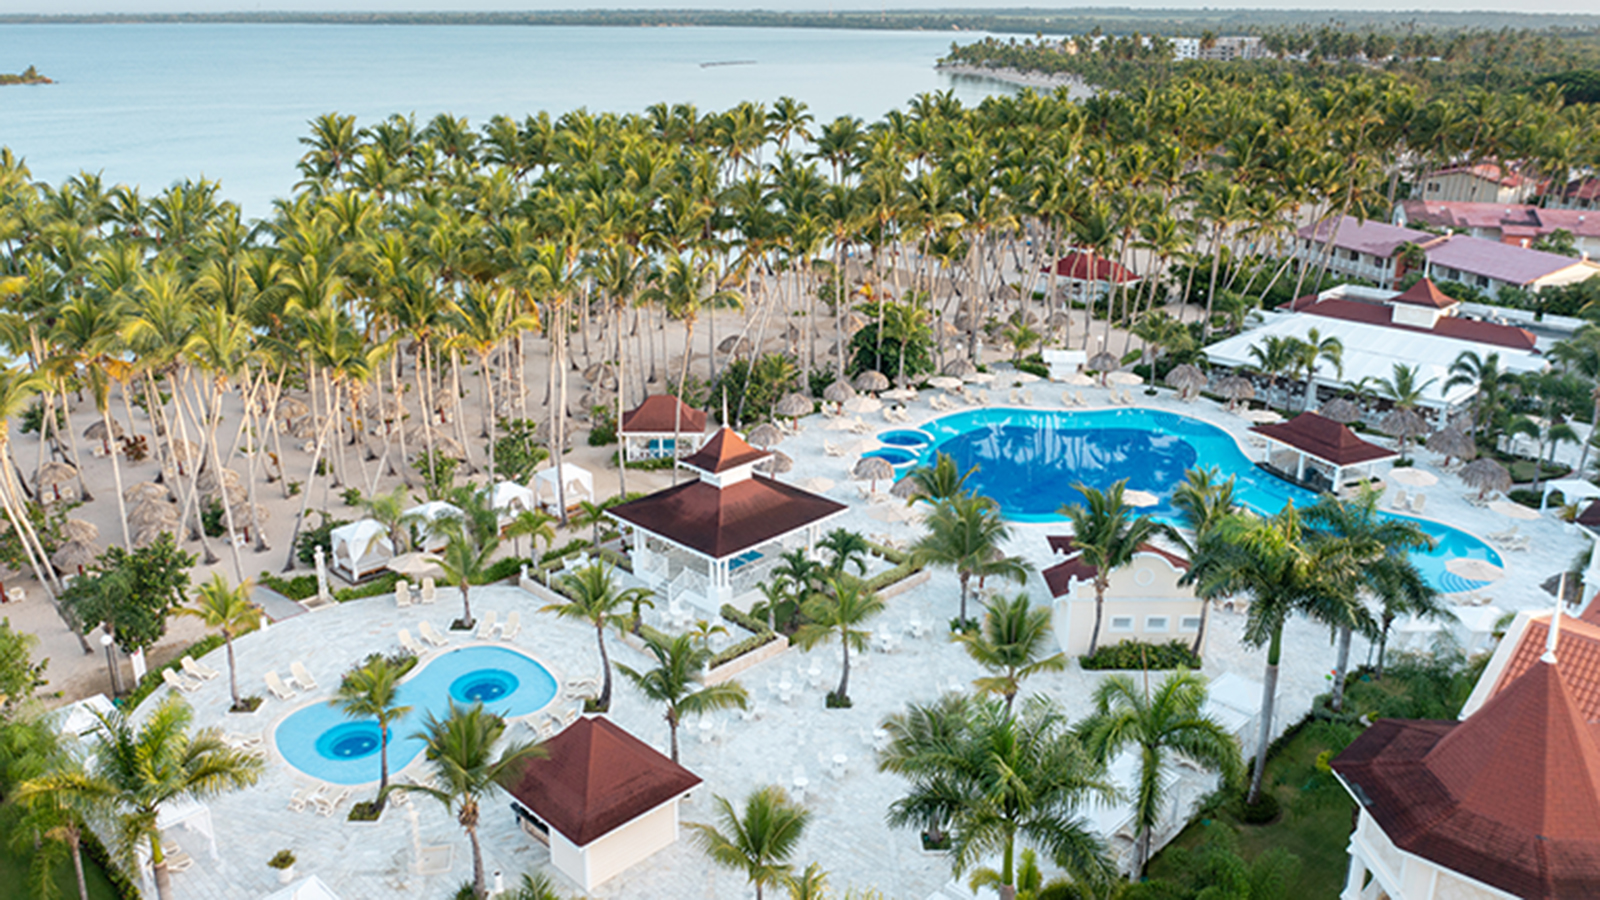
[430,592]
[302,677]
[1401,500]
[197,670]
[1418,502]
[177,860]
[513,625]
[832,449]
[1081,400]
[242,741]
[299,799]
[429,634]
[1027,397]
[277,687]
[402,594]
[1015,397]
[327,805]
[487,624]
[179,682]
[410,644]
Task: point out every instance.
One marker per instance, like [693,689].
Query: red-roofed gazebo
[1325,447]
[652,429]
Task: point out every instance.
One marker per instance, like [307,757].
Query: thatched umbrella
[765,435]
[597,372]
[97,430]
[854,323]
[289,408]
[1486,475]
[793,406]
[79,530]
[873,469]
[74,555]
[1058,321]
[1452,443]
[1103,362]
[146,490]
[181,451]
[1236,388]
[735,344]
[1187,379]
[449,447]
[945,330]
[959,367]
[1405,424]
[152,510]
[1341,410]
[776,464]
[249,515]
[149,534]
[872,381]
[905,488]
[55,473]
[838,392]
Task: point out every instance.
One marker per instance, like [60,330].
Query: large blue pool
[1029,461]
[323,742]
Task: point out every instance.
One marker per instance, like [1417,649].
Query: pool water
[895,456]
[323,742]
[905,438]
[1030,461]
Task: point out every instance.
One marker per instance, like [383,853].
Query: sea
[149,105]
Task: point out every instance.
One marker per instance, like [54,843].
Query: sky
[136,6]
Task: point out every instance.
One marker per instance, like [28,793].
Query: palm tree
[965,533]
[58,797]
[228,610]
[1107,534]
[1011,644]
[1314,349]
[1402,387]
[846,549]
[460,751]
[1168,721]
[390,511]
[139,768]
[1203,500]
[1491,381]
[592,596]
[531,523]
[997,778]
[677,679]
[941,481]
[465,559]
[840,611]
[372,691]
[758,843]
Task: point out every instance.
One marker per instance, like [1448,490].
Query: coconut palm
[677,681]
[389,510]
[757,843]
[840,611]
[1492,384]
[465,558]
[1169,720]
[941,481]
[964,533]
[1011,644]
[846,549]
[229,611]
[534,524]
[57,795]
[1203,500]
[372,691]
[593,597]
[1107,534]
[460,754]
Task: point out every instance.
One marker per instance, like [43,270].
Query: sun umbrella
[793,406]
[1140,498]
[1486,475]
[765,435]
[838,392]
[1453,443]
[153,511]
[74,555]
[416,565]
[959,368]
[1236,388]
[146,490]
[1261,416]
[97,430]
[815,485]
[871,381]
[1413,477]
[1125,378]
[859,405]
[1077,379]
[854,323]
[1186,379]
[1021,377]
[945,382]
[776,464]
[247,514]
[905,488]
[181,450]
[735,344]
[1513,510]
[893,512]
[946,330]
[900,394]
[149,534]
[1404,424]
[1058,320]
[873,469]
[1341,410]
[79,530]
[1474,569]
[291,408]
[56,473]
[1103,362]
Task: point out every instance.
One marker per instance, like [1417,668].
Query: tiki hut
[959,367]
[873,469]
[97,431]
[146,490]
[905,489]
[1103,362]
[1342,411]
[838,392]
[1236,388]
[871,381]
[73,556]
[776,464]
[736,345]
[79,530]
[1453,443]
[53,475]
[1486,475]
[1187,380]
[793,406]
[1405,424]
[765,435]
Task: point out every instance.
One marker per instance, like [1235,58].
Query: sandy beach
[1039,81]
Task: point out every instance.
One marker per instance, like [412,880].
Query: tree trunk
[1099,611]
[844,677]
[1205,619]
[965,578]
[1341,669]
[383,764]
[466,603]
[1269,692]
[233,674]
[158,861]
[74,846]
[479,888]
[605,668]
[116,475]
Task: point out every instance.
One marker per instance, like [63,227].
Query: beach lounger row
[403,598]
[897,414]
[1022,398]
[299,680]
[1404,503]
[1073,398]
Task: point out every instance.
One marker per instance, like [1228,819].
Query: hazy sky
[125,6]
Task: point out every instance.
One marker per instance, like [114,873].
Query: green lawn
[16,876]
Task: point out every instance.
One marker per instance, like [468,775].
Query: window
[1190,624]
[1483,281]
[1433,187]
[1155,624]
[1122,623]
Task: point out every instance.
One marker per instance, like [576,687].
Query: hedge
[383,584]
[152,677]
[96,852]
[1140,655]
[299,587]
[890,554]
[889,576]
[760,636]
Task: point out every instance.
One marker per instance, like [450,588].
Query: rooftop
[1463,215]
[726,450]
[663,414]
[1076,265]
[1488,171]
[1372,236]
[1059,577]
[1425,293]
[1455,328]
[1325,439]
[1502,262]
[720,522]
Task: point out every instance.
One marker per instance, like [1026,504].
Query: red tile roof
[1578,647]
[1512,218]
[1590,515]
[1509,797]
[658,414]
[1075,265]
[1060,576]
[1325,439]
[1425,293]
[720,522]
[1488,172]
[597,779]
[726,450]
[1454,327]
[1372,237]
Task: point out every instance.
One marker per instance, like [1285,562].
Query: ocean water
[151,104]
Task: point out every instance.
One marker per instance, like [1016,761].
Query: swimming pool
[1029,461]
[894,456]
[323,742]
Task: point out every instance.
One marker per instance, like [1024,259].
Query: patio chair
[1015,397]
[1418,502]
[327,805]
[1027,397]
[402,594]
[302,796]
[302,677]
[411,645]
[860,427]
[277,687]
[1067,399]
[1081,400]
[832,449]
[513,625]
[430,592]
[750,713]
[179,682]
[177,860]
[1401,501]
[197,670]
[430,634]
[487,625]
[242,741]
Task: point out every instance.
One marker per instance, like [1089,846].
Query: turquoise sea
[150,104]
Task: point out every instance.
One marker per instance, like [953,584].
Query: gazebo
[602,800]
[1325,447]
[427,515]
[509,498]
[712,540]
[579,484]
[360,548]
[649,431]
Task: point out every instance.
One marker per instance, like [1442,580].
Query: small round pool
[895,456]
[323,742]
[906,438]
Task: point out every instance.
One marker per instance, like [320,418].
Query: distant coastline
[1039,81]
[28,76]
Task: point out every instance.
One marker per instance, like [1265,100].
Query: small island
[29,76]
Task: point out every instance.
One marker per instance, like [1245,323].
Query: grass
[15,871]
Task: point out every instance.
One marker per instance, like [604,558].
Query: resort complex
[1041,499]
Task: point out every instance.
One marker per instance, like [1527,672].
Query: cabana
[360,548]
[1319,452]
[603,801]
[713,540]
[578,480]
[430,536]
[79,719]
[509,498]
[194,816]
[308,888]
[650,431]
[1084,273]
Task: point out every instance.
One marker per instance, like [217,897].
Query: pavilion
[602,800]
[1085,273]
[1327,448]
[662,420]
[711,541]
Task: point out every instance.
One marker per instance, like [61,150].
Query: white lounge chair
[327,805]
[198,670]
[302,677]
[177,860]
[430,592]
[431,635]
[179,682]
[1401,500]
[487,624]
[410,644]
[402,594]
[832,449]
[302,796]
[1081,400]
[513,625]
[1418,502]
[277,687]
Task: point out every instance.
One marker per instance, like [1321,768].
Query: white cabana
[360,548]
[509,498]
[1235,701]
[579,484]
[78,719]
[1572,489]
[427,516]
[308,888]
[194,816]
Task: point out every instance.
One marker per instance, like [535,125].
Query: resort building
[713,540]
[1144,601]
[1482,183]
[602,800]
[1517,225]
[650,430]
[1579,193]
[1380,328]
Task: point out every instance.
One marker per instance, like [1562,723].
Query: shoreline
[1074,84]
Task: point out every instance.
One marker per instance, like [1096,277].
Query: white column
[1356,877]
[1300,467]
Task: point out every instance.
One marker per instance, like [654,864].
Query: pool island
[29,75]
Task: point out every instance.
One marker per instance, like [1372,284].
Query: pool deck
[847,835]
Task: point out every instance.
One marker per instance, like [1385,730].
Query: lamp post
[108,642]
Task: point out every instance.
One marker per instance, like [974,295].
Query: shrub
[834,701]
[743,620]
[283,859]
[351,496]
[1032,367]
[748,645]
[1265,809]
[501,569]
[211,519]
[383,584]
[305,549]
[1142,655]
[890,554]
[892,576]
[297,588]
[604,430]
